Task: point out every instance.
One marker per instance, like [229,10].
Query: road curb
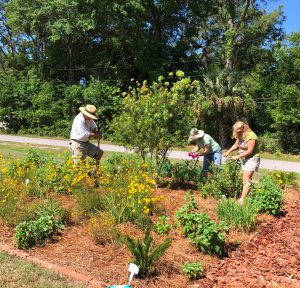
[62,270]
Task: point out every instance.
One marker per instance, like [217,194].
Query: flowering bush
[102,228]
[129,192]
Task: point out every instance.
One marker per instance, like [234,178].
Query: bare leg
[247,178]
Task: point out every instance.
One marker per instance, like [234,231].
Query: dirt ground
[269,257]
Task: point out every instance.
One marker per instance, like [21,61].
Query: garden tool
[196,156]
[133,269]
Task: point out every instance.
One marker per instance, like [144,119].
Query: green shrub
[181,172]
[189,207]
[120,162]
[88,201]
[208,236]
[269,143]
[268,196]
[31,233]
[146,253]
[102,228]
[238,216]
[162,226]
[53,209]
[193,271]
[283,179]
[227,182]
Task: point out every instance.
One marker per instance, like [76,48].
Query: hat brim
[194,138]
[82,110]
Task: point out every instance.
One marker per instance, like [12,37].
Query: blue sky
[291,11]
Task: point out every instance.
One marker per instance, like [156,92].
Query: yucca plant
[146,253]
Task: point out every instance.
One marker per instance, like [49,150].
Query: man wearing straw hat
[83,129]
[211,149]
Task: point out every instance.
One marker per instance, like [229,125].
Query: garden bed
[268,257]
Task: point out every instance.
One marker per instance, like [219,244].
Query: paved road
[265,163]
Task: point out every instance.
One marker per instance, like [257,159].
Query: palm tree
[224,99]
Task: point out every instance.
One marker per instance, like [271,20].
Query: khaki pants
[82,149]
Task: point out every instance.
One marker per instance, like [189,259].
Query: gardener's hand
[235,157]
[196,155]
[191,153]
[96,134]
[225,154]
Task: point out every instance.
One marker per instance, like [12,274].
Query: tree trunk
[223,134]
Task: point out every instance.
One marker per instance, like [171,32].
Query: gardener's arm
[196,149]
[248,152]
[234,147]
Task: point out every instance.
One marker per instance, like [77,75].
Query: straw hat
[195,134]
[90,111]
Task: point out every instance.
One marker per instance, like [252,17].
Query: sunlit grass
[17,273]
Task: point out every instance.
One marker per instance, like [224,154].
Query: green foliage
[148,122]
[88,201]
[193,271]
[31,233]
[53,209]
[128,190]
[227,182]
[269,143]
[181,172]
[189,207]
[208,236]
[283,179]
[146,253]
[268,196]
[238,216]
[162,226]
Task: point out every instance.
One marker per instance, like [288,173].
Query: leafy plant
[31,233]
[283,179]
[102,228]
[269,143]
[184,171]
[193,271]
[227,182]
[129,193]
[189,207]
[53,209]
[238,216]
[146,253]
[207,235]
[88,201]
[148,122]
[268,196]
[162,226]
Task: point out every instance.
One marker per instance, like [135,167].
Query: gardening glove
[191,153]
[195,155]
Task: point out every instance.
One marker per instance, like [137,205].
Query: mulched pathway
[270,259]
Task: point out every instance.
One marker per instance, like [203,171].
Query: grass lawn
[19,150]
[18,273]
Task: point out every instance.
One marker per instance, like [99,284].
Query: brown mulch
[270,257]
